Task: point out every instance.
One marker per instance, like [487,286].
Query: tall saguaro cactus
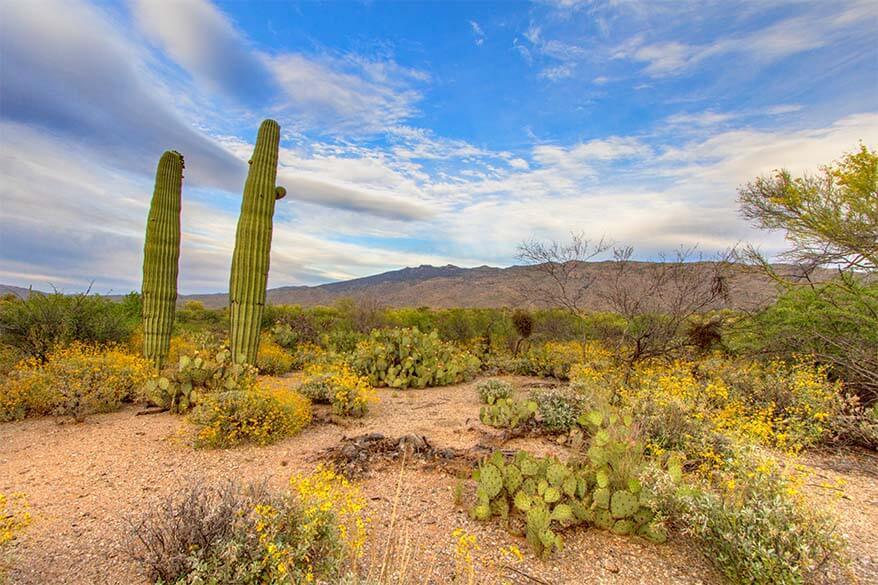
[161,254]
[253,245]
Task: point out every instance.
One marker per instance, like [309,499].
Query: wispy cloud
[477,32]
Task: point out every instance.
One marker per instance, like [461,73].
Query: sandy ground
[84,480]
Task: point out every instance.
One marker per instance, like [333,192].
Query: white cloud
[478,32]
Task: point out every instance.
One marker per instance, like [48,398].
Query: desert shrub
[72,381]
[341,341]
[404,358]
[490,390]
[337,384]
[248,536]
[272,359]
[42,322]
[790,406]
[756,528]
[292,326]
[9,358]
[309,353]
[559,408]
[261,414]
[855,425]
[207,371]
[14,517]
[552,359]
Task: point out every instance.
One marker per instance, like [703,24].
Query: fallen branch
[154,410]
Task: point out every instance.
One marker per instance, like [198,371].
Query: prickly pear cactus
[623,504]
[161,255]
[252,253]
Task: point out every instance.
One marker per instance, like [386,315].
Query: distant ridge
[489,287]
[482,287]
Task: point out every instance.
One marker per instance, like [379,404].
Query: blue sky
[413,132]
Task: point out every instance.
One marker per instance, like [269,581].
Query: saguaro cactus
[253,245]
[161,253]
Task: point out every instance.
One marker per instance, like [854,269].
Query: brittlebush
[261,414]
[76,380]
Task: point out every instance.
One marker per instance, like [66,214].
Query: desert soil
[85,482]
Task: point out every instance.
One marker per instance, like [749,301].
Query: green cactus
[623,527]
[161,255]
[522,501]
[556,473]
[491,479]
[252,253]
[623,504]
[512,478]
[601,498]
[562,513]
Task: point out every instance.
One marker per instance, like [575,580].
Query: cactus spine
[253,245]
[161,253]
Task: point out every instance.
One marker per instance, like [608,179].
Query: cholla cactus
[161,254]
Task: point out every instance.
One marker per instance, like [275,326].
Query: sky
[413,132]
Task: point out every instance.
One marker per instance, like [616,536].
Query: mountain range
[487,286]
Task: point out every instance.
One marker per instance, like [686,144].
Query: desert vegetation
[671,420]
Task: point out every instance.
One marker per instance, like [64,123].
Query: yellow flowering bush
[14,516]
[272,359]
[330,502]
[76,380]
[261,414]
[789,406]
[227,533]
[337,384]
[553,358]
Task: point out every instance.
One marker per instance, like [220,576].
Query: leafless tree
[561,280]
[659,299]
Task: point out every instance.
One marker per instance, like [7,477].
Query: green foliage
[161,254]
[757,529]
[252,253]
[195,376]
[830,218]
[45,321]
[547,496]
[559,408]
[836,322]
[507,413]
[408,358]
[491,390]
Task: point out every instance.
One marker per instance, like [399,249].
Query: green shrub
[261,414]
[76,381]
[490,390]
[559,409]
[407,358]
[45,321]
[552,359]
[757,529]
[341,341]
